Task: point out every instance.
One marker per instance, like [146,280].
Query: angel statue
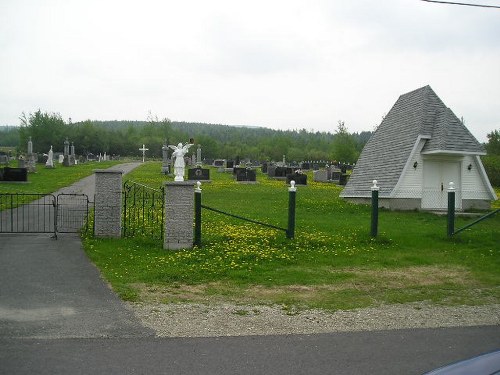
[50,157]
[179,165]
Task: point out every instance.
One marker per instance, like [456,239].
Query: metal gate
[72,213]
[43,213]
[143,211]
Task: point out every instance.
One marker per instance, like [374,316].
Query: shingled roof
[419,114]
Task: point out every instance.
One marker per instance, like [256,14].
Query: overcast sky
[288,64]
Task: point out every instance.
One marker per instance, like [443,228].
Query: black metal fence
[143,210]
[450,227]
[290,230]
[27,213]
[43,213]
[72,213]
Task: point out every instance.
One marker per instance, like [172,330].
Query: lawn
[332,263]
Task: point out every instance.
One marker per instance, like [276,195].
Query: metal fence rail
[72,213]
[28,213]
[143,210]
[290,230]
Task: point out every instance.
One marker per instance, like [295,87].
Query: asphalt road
[385,352]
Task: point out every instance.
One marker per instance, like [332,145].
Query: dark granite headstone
[237,170]
[230,164]
[14,174]
[264,168]
[199,174]
[336,176]
[283,171]
[299,178]
[244,174]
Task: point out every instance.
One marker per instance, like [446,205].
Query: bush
[492,166]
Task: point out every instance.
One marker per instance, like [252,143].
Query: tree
[493,145]
[45,130]
[344,145]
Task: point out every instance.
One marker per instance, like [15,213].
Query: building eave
[450,152]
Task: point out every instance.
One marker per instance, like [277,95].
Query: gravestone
[14,174]
[198,156]
[219,163]
[246,175]
[320,176]
[65,155]
[299,178]
[72,156]
[4,159]
[335,175]
[271,171]
[31,157]
[165,167]
[198,173]
[264,168]
[282,172]
[230,164]
[237,170]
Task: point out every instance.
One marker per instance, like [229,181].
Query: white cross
[143,149]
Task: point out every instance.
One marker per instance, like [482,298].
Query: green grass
[331,264]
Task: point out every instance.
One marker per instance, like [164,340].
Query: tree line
[124,138]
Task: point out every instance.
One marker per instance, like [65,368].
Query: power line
[466,4]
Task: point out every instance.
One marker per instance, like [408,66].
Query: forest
[124,138]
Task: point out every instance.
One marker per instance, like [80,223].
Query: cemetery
[330,234]
[243,234]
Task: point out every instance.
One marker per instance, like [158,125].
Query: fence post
[108,203]
[292,191]
[179,211]
[451,209]
[197,215]
[374,226]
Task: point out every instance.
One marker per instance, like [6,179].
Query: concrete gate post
[179,215]
[108,203]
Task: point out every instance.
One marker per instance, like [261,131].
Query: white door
[437,176]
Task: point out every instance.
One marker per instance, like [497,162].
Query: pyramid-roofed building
[418,149]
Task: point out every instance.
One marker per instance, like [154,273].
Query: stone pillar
[108,203]
[179,215]
[66,153]
[198,156]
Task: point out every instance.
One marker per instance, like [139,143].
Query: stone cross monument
[143,149]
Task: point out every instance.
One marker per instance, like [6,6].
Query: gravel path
[196,320]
